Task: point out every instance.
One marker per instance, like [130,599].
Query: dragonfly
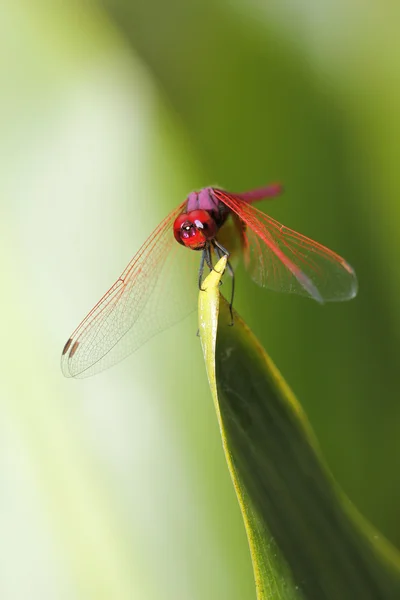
[149,297]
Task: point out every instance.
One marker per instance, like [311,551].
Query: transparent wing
[157,289]
[280,259]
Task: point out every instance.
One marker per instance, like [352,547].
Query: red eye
[203,221]
[179,222]
[194,229]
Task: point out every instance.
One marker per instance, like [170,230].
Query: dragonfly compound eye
[194,229]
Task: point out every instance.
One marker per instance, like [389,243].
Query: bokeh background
[110,113]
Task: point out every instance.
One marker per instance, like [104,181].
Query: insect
[148,296]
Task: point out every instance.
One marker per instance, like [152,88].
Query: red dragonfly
[144,300]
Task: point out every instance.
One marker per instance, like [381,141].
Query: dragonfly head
[194,229]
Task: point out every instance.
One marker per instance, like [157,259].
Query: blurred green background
[110,113]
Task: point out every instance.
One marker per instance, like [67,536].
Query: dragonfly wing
[283,260]
[157,289]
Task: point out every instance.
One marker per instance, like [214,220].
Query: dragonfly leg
[208,258]
[201,269]
[221,248]
[205,258]
[219,254]
[221,251]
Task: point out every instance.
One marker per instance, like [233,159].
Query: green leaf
[305,538]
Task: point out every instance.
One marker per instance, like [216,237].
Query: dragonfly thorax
[194,229]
